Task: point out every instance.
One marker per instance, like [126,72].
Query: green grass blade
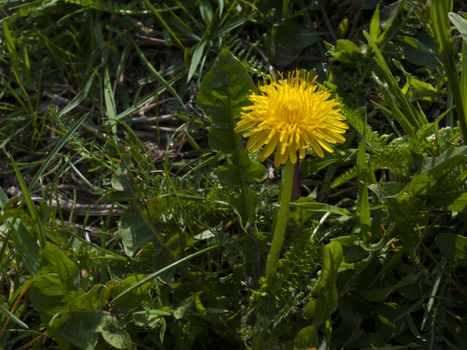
[15,61]
[27,199]
[110,102]
[439,19]
[375,24]
[25,245]
[196,58]
[440,10]
[157,75]
[181,25]
[363,205]
[166,268]
[3,198]
[57,148]
[78,98]
[13,318]
[164,24]
[463,81]
[409,115]
[461,25]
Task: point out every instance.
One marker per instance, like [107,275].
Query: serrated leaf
[221,140]
[228,173]
[224,90]
[320,308]
[223,93]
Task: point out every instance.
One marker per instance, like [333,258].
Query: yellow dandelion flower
[289,116]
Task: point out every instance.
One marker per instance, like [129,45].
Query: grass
[132,217]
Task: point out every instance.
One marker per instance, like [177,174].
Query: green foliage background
[132,217]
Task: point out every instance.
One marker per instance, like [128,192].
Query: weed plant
[133,217]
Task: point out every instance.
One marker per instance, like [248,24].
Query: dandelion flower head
[289,116]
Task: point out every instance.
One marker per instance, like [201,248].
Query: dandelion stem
[282,219]
[285,9]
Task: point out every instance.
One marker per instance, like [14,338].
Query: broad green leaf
[68,312]
[49,296]
[228,173]
[221,140]
[389,13]
[244,204]
[325,297]
[307,336]
[133,299]
[64,321]
[423,88]
[82,329]
[134,230]
[286,41]
[420,50]
[332,255]
[459,204]
[114,333]
[55,284]
[452,246]
[26,246]
[54,261]
[380,294]
[78,328]
[346,51]
[223,93]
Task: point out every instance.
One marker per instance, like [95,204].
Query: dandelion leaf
[223,93]
[324,298]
